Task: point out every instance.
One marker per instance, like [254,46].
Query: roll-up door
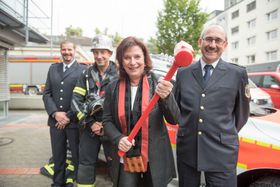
[4,86]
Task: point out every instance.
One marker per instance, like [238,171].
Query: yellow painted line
[263,144]
[248,140]
[259,143]
[276,147]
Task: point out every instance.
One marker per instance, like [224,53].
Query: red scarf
[122,118]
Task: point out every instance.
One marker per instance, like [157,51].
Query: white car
[259,96]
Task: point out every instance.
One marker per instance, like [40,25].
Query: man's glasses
[209,40]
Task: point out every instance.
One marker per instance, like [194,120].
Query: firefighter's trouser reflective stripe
[69,180]
[49,168]
[70,167]
[85,185]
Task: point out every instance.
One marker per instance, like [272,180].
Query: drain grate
[5,141]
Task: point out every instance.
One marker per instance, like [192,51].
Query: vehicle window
[256,80]
[268,81]
[251,84]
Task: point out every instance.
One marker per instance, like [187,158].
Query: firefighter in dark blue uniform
[88,104]
[61,80]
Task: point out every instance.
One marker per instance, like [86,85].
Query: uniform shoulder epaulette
[237,65]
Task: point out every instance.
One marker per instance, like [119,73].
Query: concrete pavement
[25,147]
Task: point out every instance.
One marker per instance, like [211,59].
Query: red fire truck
[27,74]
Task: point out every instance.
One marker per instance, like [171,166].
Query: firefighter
[87,102]
[57,97]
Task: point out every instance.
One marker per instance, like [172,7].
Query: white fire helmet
[102,42]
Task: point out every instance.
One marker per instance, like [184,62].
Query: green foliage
[97,31]
[116,37]
[152,45]
[180,20]
[71,31]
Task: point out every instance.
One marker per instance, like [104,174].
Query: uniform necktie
[207,69]
[66,68]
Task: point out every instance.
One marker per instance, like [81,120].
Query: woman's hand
[163,88]
[125,145]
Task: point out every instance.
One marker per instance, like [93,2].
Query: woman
[125,100]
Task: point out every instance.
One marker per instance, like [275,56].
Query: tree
[97,31]
[152,45]
[116,39]
[71,31]
[180,20]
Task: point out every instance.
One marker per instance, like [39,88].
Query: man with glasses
[213,97]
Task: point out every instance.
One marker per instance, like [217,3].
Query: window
[221,20]
[235,14]
[272,15]
[232,2]
[271,56]
[257,80]
[268,81]
[271,35]
[234,30]
[251,41]
[234,45]
[251,24]
[251,6]
[234,60]
[251,59]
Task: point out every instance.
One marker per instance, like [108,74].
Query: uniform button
[199,133]
[203,95]
[62,82]
[202,107]
[60,106]
[61,90]
[200,120]
[61,98]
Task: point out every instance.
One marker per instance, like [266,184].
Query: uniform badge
[247,91]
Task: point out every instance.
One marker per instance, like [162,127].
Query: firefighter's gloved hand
[97,128]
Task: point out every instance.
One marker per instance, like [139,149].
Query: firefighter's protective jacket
[89,84]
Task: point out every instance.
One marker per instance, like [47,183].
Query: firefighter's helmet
[102,42]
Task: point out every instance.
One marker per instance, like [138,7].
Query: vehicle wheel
[268,181]
[32,91]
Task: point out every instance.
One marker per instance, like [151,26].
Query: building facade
[14,31]
[253,28]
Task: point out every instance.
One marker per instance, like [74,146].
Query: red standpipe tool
[183,57]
